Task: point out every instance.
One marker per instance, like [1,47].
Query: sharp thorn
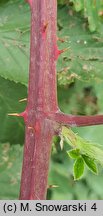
[53,186]
[59,52]
[22,100]
[31,128]
[45,27]
[13,114]
[63,50]
[61,40]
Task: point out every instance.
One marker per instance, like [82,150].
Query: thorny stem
[41,100]
[42,114]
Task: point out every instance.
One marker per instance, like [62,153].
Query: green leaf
[87,148]
[84,60]
[90,149]
[60,174]
[78,4]
[10,170]
[90,164]
[14,40]
[73,153]
[91,10]
[61,2]
[78,168]
[11,128]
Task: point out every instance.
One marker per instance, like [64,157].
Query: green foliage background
[80,84]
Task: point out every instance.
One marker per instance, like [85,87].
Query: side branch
[77,121]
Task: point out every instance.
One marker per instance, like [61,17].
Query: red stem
[76,121]
[41,115]
[41,99]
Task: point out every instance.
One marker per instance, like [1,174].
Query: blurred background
[80,92]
